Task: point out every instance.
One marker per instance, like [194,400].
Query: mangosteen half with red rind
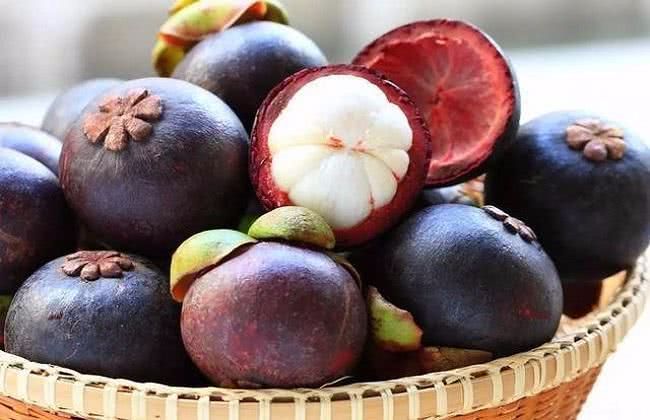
[101,313]
[66,108]
[154,161]
[464,86]
[36,224]
[582,182]
[243,63]
[472,279]
[344,142]
[32,142]
[273,309]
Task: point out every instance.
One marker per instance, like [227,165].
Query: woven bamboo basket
[549,382]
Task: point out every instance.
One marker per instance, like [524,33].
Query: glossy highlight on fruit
[67,107]
[35,222]
[343,142]
[154,161]
[32,142]
[102,313]
[582,183]
[472,279]
[464,86]
[242,64]
[268,311]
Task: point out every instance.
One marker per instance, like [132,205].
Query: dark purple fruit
[32,142]
[243,63]
[154,161]
[261,313]
[471,278]
[67,107]
[101,313]
[583,183]
[35,222]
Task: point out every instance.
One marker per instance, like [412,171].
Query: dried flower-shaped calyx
[511,224]
[597,140]
[122,118]
[92,265]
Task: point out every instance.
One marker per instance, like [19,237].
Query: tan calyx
[92,265]
[597,140]
[121,118]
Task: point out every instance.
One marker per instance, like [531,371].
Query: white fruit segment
[340,148]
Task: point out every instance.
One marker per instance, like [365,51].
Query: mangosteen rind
[468,281]
[123,327]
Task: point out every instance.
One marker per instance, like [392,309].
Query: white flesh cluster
[340,148]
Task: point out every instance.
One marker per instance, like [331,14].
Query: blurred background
[47,45]
[563,51]
[592,54]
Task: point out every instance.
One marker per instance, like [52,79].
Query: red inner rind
[379,220]
[461,82]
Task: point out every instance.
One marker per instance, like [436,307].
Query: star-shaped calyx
[92,265]
[120,118]
[512,224]
[597,140]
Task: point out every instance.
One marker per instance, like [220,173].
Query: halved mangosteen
[344,142]
[464,86]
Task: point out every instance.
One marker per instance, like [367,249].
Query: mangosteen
[464,86]
[271,308]
[154,161]
[582,182]
[344,142]
[35,222]
[191,21]
[242,64]
[470,278]
[67,107]
[101,313]
[32,142]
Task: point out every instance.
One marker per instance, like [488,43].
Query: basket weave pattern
[549,382]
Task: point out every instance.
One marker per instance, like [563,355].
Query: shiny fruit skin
[242,64]
[188,176]
[275,315]
[35,222]
[68,105]
[117,327]
[592,218]
[468,282]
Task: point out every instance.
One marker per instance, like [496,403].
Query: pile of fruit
[256,217]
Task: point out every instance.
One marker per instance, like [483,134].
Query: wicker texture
[549,382]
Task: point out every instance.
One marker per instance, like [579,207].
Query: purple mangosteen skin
[117,327]
[468,282]
[32,142]
[275,315]
[187,176]
[243,64]
[35,222]
[67,107]
[592,218]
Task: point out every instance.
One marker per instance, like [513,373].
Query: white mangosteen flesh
[340,148]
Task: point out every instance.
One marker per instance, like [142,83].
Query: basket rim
[438,395]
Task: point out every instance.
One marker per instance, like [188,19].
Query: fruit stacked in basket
[256,218]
